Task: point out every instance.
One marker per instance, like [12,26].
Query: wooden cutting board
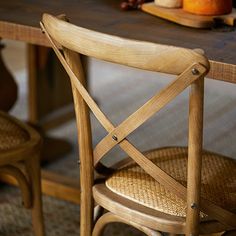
[179,16]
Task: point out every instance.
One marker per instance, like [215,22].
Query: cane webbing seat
[133,183]
[11,134]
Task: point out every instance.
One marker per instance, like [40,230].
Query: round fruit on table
[208,7]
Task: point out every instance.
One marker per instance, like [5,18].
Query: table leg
[50,99]
[8,86]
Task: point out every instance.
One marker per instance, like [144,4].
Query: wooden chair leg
[109,218]
[20,178]
[33,172]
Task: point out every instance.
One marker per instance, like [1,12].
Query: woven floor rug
[119,91]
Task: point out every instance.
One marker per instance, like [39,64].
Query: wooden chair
[153,192]
[19,158]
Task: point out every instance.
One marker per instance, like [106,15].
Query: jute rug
[119,91]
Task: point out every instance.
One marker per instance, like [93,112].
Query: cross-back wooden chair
[20,159]
[154,192]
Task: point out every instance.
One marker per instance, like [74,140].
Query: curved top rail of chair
[139,54]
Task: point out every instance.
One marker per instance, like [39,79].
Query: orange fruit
[208,7]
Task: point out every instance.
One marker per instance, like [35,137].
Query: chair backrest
[190,67]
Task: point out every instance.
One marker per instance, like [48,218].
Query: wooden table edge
[34,35]
[27,34]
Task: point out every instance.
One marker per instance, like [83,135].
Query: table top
[105,16]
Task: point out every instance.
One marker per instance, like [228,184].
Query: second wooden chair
[20,147]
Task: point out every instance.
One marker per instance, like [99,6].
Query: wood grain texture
[194,156]
[85,147]
[156,103]
[134,212]
[73,39]
[179,16]
[29,34]
[222,71]
[105,16]
[110,218]
[122,51]
[20,179]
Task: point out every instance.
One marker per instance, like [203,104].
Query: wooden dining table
[19,20]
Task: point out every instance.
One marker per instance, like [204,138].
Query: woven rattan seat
[133,183]
[11,134]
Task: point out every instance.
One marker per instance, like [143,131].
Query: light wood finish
[145,112]
[179,16]
[109,218]
[18,177]
[149,167]
[142,215]
[21,144]
[85,147]
[53,184]
[24,26]
[194,157]
[106,17]
[223,71]
[132,52]
[154,57]
[21,32]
